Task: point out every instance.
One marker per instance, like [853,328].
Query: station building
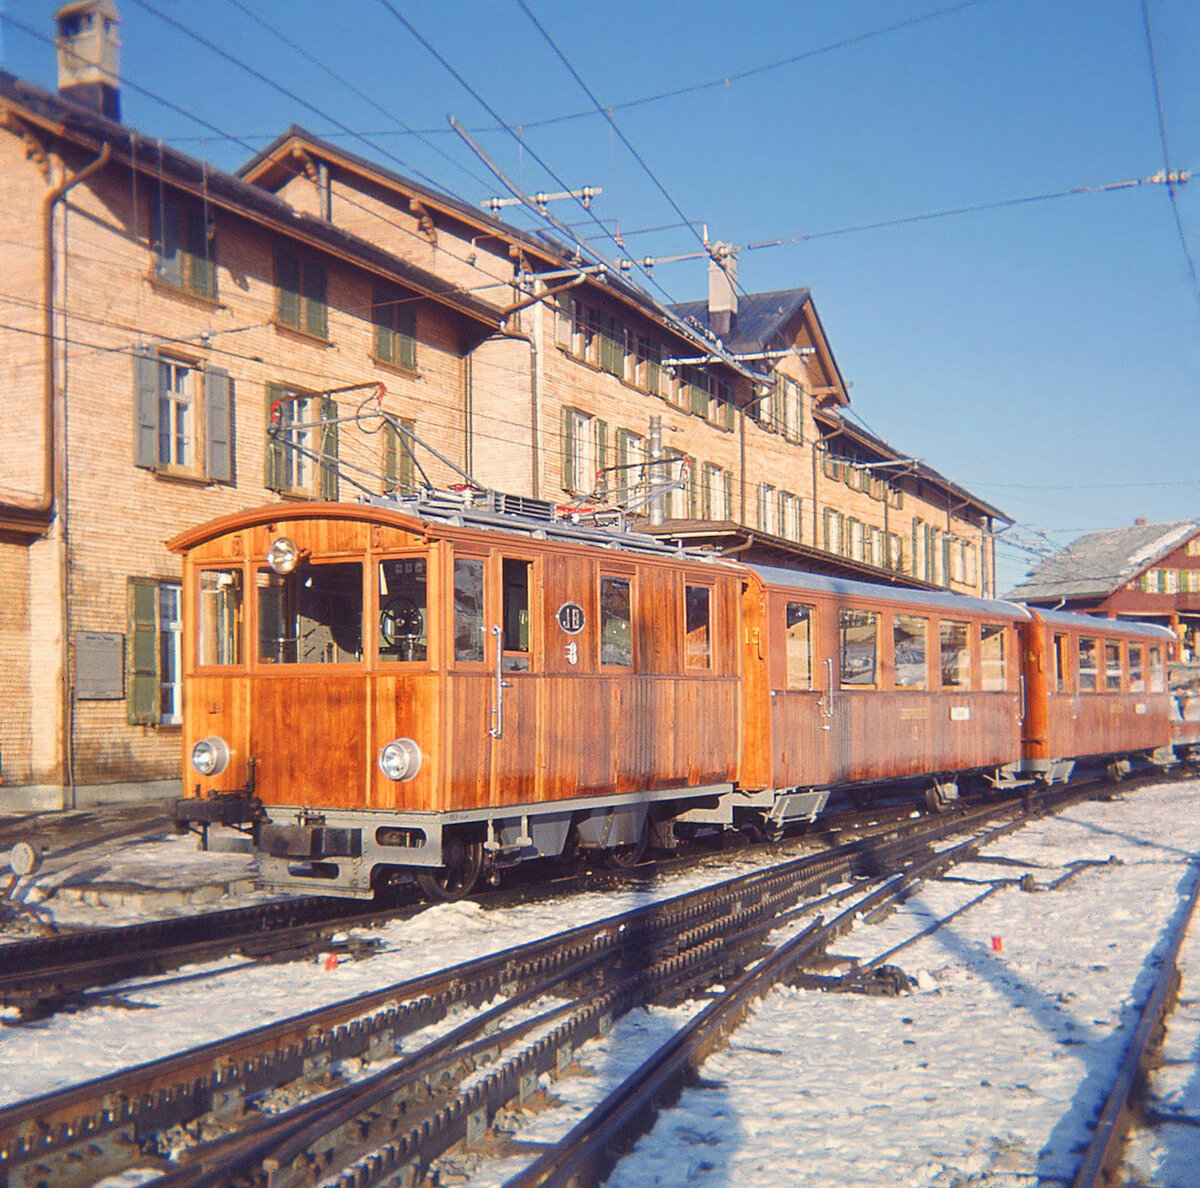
[180,342]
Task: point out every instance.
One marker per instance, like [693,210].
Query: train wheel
[625,857]
[457,878]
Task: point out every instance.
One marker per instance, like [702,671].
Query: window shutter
[276,458]
[406,456]
[218,411]
[145,409]
[329,450]
[699,395]
[141,705]
[568,448]
[653,367]
[287,284]
[727,479]
[566,320]
[202,270]
[692,486]
[406,334]
[706,492]
[172,249]
[728,407]
[316,319]
[383,328]
[391,447]
[622,483]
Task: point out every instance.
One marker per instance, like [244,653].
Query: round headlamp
[283,556]
[210,756]
[400,759]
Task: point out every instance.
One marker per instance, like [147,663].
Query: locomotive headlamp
[283,555]
[400,759]
[210,756]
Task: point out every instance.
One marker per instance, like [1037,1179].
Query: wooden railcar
[434,687]
[422,693]
[1095,689]
[859,684]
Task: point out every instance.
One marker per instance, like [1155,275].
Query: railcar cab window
[1088,665]
[515,629]
[1112,666]
[220,639]
[313,615]
[798,631]
[910,638]
[616,636]
[468,610]
[1137,669]
[1060,664]
[956,655]
[697,650]
[993,670]
[403,609]
[859,639]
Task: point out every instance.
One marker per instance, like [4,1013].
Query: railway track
[42,975]
[370,1101]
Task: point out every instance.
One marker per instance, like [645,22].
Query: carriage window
[468,610]
[1060,663]
[798,637]
[993,673]
[910,635]
[1137,671]
[956,656]
[859,639]
[402,609]
[220,639]
[1157,675]
[312,615]
[516,615]
[1088,665]
[616,640]
[697,650]
[1112,666]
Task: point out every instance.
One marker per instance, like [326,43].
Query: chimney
[1140,522]
[89,55]
[722,290]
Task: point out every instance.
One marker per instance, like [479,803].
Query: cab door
[514,659]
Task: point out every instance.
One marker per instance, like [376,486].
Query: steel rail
[1103,1151]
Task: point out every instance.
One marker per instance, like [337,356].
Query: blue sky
[1045,355]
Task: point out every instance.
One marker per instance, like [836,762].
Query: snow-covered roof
[1097,564]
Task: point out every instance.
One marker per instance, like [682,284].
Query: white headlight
[283,555]
[400,759]
[210,756]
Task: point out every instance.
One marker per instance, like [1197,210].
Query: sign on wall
[99,665]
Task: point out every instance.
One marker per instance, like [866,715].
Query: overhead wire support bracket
[584,194]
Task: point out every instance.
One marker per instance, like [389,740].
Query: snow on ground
[988,1073]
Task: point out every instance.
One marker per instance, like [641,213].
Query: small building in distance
[1149,572]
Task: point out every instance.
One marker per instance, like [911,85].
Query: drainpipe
[43,507]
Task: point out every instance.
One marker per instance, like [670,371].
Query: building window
[300,293]
[716,493]
[789,515]
[185,245]
[910,637]
[302,443]
[956,655]
[629,479]
[858,631]
[798,630]
[183,417]
[155,652]
[395,329]
[833,523]
[584,451]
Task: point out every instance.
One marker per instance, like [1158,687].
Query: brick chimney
[89,55]
[722,290]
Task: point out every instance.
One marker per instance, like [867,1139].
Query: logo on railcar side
[571,618]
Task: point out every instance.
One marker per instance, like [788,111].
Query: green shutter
[406,335]
[406,454]
[568,448]
[276,458]
[706,492]
[145,409]
[316,318]
[287,284]
[391,473]
[384,336]
[692,487]
[218,413]
[653,367]
[601,479]
[727,479]
[201,261]
[141,704]
[699,395]
[728,407]
[329,450]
